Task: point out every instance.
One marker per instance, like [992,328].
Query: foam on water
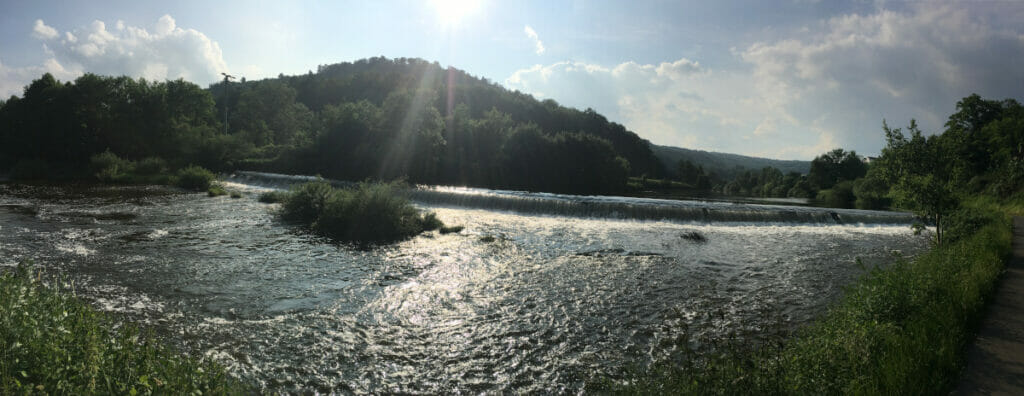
[517,302]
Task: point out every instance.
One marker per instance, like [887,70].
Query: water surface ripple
[549,303]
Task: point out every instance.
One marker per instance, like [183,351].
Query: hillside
[723,164]
[374,118]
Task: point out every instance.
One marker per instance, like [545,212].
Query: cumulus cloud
[532,35]
[858,69]
[165,51]
[41,31]
[819,88]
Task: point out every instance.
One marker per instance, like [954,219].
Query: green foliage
[839,196]
[52,343]
[369,214]
[835,166]
[109,168]
[899,330]
[871,192]
[151,166]
[236,194]
[967,220]
[431,222]
[374,118]
[216,190]
[306,202]
[273,197]
[194,178]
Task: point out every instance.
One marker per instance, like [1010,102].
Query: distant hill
[723,164]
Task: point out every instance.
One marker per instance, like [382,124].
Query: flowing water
[538,293]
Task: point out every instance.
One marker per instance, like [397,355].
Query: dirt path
[995,361]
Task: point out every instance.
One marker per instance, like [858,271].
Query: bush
[371,213]
[306,201]
[273,197]
[151,166]
[50,342]
[964,222]
[431,222]
[194,178]
[839,196]
[109,168]
[216,190]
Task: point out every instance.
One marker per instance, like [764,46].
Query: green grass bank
[53,343]
[898,330]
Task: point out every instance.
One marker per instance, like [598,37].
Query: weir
[629,208]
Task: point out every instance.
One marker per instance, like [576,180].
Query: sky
[787,79]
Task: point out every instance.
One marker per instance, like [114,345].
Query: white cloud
[43,32]
[532,35]
[164,52]
[799,96]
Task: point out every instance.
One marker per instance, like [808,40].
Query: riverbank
[899,330]
[50,342]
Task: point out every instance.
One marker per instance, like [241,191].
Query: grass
[898,330]
[273,197]
[51,342]
[216,190]
[369,214]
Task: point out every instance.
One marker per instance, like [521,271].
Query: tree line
[980,152]
[375,118]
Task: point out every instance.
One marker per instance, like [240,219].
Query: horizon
[788,81]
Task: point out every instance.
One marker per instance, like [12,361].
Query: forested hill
[394,117]
[374,118]
[725,166]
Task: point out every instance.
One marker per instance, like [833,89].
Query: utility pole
[227,79]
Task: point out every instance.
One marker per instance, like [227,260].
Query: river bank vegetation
[901,329]
[53,343]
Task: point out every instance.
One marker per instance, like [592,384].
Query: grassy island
[368,214]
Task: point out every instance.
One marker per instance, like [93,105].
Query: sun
[452,13]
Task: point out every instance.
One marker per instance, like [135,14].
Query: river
[538,293]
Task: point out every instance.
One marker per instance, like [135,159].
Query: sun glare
[452,13]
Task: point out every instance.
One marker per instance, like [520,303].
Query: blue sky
[782,79]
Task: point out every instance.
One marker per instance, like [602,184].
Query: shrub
[109,168]
[273,197]
[216,190]
[151,166]
[371,213]
[306,202]
[194,178]
[431,222]
[236,194]
[839,196]
[54,343]
[966,221]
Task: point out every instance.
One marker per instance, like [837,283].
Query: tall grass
[50,342]
[898,330]
[371,213]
